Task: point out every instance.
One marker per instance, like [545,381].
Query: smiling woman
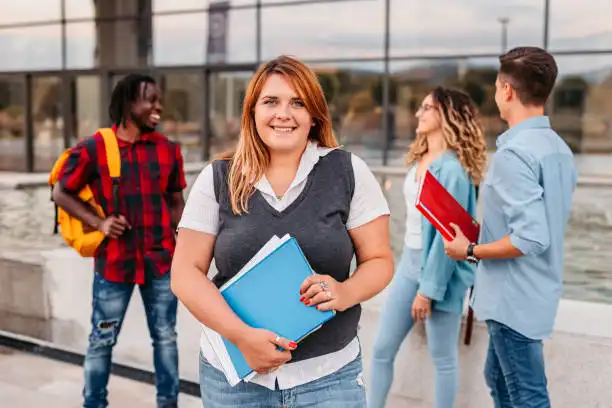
[287,175]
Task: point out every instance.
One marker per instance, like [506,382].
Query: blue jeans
[514,370]
[395,323]
[342,389]
[109,304]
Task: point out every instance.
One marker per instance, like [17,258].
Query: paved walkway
[30,381]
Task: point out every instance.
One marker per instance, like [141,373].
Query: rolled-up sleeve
[522,199]
[78,168]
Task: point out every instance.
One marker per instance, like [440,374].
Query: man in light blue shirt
[526,198]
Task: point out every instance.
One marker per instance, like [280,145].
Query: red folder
[441,209]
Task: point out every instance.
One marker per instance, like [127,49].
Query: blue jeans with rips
[514,370]
[109,303]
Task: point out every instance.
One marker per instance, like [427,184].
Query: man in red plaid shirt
[140,241]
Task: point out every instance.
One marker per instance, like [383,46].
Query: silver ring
[277,339]
[324,285]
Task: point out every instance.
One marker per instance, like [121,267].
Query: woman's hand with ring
[325,293]
[421,307]
[260,349]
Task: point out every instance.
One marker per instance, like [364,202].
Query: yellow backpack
[78,235]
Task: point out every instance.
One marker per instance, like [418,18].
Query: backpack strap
[113,160]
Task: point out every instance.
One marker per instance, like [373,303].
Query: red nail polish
[292,345]
[302,299]
[307,302]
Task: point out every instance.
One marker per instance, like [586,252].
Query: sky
[334,30]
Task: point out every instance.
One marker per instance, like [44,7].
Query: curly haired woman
[428,285]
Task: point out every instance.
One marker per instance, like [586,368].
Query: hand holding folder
[442,209]
[265,295]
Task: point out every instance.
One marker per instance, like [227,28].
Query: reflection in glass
[418,28]
[182,39]
[174,5]
[227,90]
[86,106]
[584,25]
[353,92]
[80,9]
[581,106]
[81,45]
[25,11]
[182,114]
[122,43]
[31,48]
[179,40]
[324,30]
[12,124]
[412,81]
[48,123]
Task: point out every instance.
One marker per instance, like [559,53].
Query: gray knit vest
[316,219]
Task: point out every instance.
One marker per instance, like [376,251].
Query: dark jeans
[514,370]
[109,304]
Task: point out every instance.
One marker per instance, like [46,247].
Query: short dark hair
[531,71]
[126,92]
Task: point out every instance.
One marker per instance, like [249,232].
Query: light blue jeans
[395,323]
[109,304]
[342,389]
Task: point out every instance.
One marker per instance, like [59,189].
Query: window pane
[81,45]
[179,40]
[31,48]
[324,30]
[227,90]
[183,39]
[29,10]
[12,123]
[182,114]
[418,28]
[580,25]
[581,107]
[48,123]
[87,105]
[353,94]
[411,81]
[175,5]
[80,9]
[119,44]
[172,5]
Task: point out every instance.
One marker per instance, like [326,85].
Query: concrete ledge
[578,355]
[17,181]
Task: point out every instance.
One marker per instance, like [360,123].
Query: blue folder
[268,296]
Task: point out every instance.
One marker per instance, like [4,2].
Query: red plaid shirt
[151,170]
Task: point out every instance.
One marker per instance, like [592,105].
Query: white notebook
[214,339]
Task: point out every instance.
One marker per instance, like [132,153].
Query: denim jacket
[442,279]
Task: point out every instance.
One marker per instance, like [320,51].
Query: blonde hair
[461,129]
[248,163]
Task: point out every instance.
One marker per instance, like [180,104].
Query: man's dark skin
[143,118]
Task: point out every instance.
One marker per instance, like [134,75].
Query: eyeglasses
[425,107]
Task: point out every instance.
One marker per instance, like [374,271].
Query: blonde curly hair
[462,132]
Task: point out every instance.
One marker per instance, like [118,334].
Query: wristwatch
[471,258]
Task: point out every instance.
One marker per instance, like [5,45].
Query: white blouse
[413,216]
[201,213]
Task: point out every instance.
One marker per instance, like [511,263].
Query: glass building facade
[375,59]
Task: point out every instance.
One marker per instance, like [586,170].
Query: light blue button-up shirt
[527,194]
